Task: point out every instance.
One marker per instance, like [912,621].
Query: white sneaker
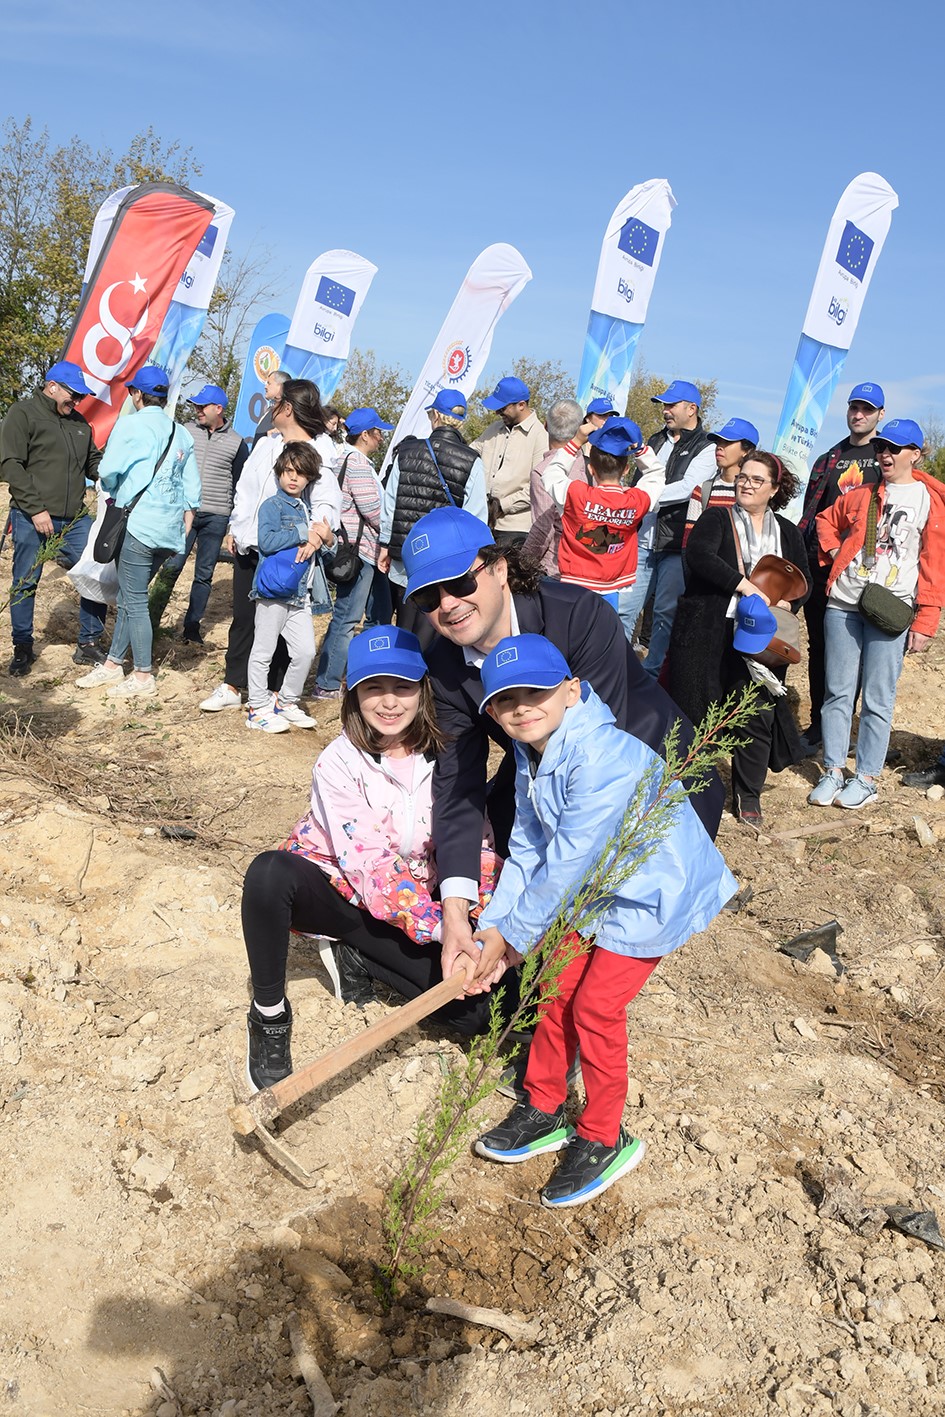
[223,697]
[133,688]
[295,715]
[266,720]
[107,673]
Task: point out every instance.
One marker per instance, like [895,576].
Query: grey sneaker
[827,790]
[859,792]
[223,697]
[101,674]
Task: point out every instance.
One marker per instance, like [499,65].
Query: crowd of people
[518,569]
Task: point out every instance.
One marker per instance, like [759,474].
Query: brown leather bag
[779,579]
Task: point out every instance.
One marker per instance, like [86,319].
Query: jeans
[668,583]
[27,544]
[855,647]
[137,565]
[208,531]
[367,597]
[632,601]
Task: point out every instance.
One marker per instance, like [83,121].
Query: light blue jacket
[133,448]
[567,809]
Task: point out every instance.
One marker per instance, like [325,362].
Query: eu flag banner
[319,339]
[263,358]
[496,277]
[152,236]
[854,241]
[629,259]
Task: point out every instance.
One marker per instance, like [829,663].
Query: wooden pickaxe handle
[267,1104]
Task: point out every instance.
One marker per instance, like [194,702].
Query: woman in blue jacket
[151,455]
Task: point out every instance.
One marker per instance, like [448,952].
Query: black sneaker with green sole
[589,1167]
[525,1132]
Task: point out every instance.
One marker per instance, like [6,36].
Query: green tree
[646,385]
[934,449]
[367,383]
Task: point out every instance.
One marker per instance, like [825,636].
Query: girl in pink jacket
[359,866]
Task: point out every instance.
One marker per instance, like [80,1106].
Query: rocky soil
[151,1262]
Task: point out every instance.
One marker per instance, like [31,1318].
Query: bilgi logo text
[323,333]
[837,310]
[625,289]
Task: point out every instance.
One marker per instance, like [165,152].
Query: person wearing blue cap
[682,446]
[442,470]
[366,597]
[849,464]
[474,593]
[358,868]
[510,447]
[885,550]
[733,442]
[220,454]
[149,467]
[599,410]
[600,522]
[576,771]
[46,454]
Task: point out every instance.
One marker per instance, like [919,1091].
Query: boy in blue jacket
[575,773]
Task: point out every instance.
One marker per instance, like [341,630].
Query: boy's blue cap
[150,379]
[450,402]
[868,393]
[734,431]
[360,420]
[385,650]
[901,433]
[210,393]
[69,375]
[679,391]
[601,406]
[754,625]
[506,391]
[442,545]
[619,436]
[522,662]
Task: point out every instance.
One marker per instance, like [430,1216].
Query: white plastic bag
[91,578]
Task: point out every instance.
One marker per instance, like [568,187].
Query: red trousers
[587,1011]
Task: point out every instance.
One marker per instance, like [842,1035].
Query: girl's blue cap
[522,662]
[385,650]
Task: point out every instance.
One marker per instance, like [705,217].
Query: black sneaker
[89,653]
[22,661]
[512,1080]
[357,986]
[525,1132]
[268,1054]
[192,635]
[925,777]
[589,1167]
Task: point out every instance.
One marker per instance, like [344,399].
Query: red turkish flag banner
[156,231]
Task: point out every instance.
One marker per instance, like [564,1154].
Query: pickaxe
[257,1109]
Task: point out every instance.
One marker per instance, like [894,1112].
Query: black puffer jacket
[419,489]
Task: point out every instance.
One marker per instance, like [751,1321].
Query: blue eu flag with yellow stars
[854,251]
[335,295]
[639,240]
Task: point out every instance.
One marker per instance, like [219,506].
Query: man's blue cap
[619,436]
[522,662]
[679,391]
[151,379]
[506,391]
[450,402]
[901,433]
[868,393]
[736,430]
[210,393]
[361,420]
[600,406]
[387,649]
[441,546]
[69,375]
[754,625]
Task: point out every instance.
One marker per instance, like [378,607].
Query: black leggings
[283,890]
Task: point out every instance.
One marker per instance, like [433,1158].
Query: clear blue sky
[417,134]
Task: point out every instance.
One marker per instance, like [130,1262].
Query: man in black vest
[473,593]
[438,471]
[682,446]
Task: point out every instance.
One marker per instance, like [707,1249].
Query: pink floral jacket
[369,831]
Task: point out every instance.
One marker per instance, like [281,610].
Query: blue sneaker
[589,1167]
[859,792]
[525,1132]
[827,790]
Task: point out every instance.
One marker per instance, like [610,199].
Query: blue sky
[417,134]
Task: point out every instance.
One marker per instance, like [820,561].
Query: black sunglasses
[427,598]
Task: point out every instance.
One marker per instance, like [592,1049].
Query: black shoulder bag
[879,605]
[111,533]
[344,565]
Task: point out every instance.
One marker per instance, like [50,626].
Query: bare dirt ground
[742,1269]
